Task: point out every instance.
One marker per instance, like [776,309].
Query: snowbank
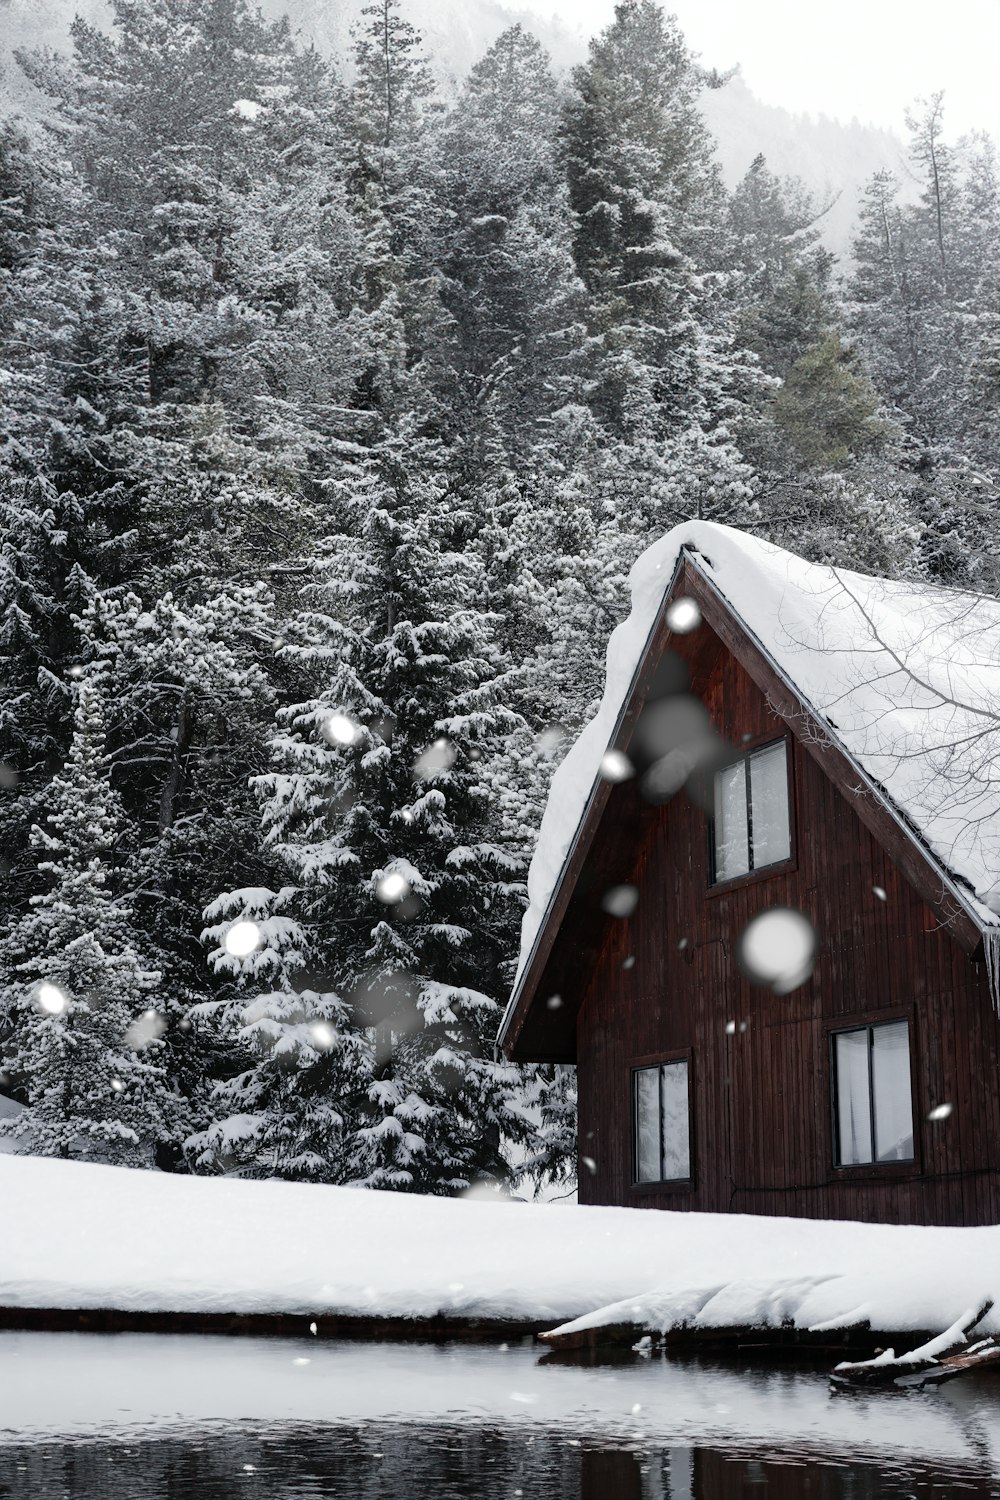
[82,1236]
[905,677]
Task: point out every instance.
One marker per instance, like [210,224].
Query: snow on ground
[82,1236]
[82,1388]
[906,677]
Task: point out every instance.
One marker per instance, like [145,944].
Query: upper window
[873,1109]
[661,1124]
[750,828]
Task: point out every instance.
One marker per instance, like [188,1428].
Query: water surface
[144,1417]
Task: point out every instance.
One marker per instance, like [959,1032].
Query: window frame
[668,1184]
[781,866]
[912,1166]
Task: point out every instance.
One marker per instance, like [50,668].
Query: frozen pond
[140,1417]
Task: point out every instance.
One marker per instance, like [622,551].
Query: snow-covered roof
[904,677]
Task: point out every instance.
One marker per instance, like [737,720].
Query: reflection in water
[442,1463]
[130,1417]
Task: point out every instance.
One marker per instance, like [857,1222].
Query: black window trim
[898,1164]
[659,1061]
[755,872]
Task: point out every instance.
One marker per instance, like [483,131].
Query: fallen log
[939,1359]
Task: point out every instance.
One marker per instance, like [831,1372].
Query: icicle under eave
[991,953]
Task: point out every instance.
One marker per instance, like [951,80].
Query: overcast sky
[868,58]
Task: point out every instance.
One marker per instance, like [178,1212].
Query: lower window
[661,1123]
[873,1108]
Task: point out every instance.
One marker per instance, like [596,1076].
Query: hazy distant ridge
[833,159]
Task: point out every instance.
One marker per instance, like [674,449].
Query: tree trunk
[183,735]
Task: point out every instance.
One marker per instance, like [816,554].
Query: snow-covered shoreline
[87,1237]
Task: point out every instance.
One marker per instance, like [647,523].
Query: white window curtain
[647,1124]
[769,806]
[732,843]
[853,1098]
[891,1091]
[675,1141]
[662,1123]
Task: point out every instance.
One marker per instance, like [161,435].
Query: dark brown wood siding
[761,1107]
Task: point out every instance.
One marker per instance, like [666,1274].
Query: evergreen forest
[335,407]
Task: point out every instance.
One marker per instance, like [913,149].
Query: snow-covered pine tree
[181,348]
[825,455]
[918,302]
[379,813]
[643,192]
[81,1009]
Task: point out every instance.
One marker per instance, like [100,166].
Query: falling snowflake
[777,949]
[341,730]
[940,1111]
[880,892]
[683,616]
[241,939]
[620,900]
[551,737]
[554,1002]
[616,766]
[51,999]
[8,776]
[392,888]
[323,1035]
[118,1085]
[148,1027]
[439,756]
[246,109]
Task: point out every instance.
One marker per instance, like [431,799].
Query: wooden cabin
[838,781]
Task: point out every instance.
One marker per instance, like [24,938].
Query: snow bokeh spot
[148,1027]
[675,738]
[777,949]
[439,756]
[616,766]
[554,1002]
[940,1111]
[880,892]
[340,729]
[551,737]
[392,888]
[51,999]
[589,1163]
[8,777]
[118,1085]
[620,900]
[683,616]
[241,939]
[322,1035]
